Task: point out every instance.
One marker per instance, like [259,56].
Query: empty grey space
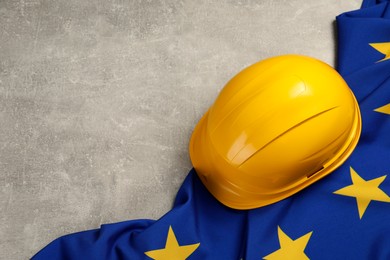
[98,100]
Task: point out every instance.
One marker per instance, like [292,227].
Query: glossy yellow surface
[276,127]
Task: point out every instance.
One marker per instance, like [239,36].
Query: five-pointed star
[290,249]
[172,250]
[385,109]
[382,47]
[364,191]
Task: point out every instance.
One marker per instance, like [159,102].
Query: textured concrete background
[98,100]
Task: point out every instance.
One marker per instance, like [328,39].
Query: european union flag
[344,216]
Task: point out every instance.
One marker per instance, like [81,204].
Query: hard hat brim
[235,197]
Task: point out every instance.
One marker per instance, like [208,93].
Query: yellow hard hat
[276,127]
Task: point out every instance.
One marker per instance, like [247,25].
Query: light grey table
[98,100]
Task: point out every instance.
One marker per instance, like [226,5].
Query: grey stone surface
[98,100]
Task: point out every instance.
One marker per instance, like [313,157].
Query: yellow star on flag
[382,47]
[385,109]
[290,249]
[172,250]
[364,191]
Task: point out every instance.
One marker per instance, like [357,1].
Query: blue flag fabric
[344,216]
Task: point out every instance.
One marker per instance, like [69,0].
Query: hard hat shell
[275,128]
